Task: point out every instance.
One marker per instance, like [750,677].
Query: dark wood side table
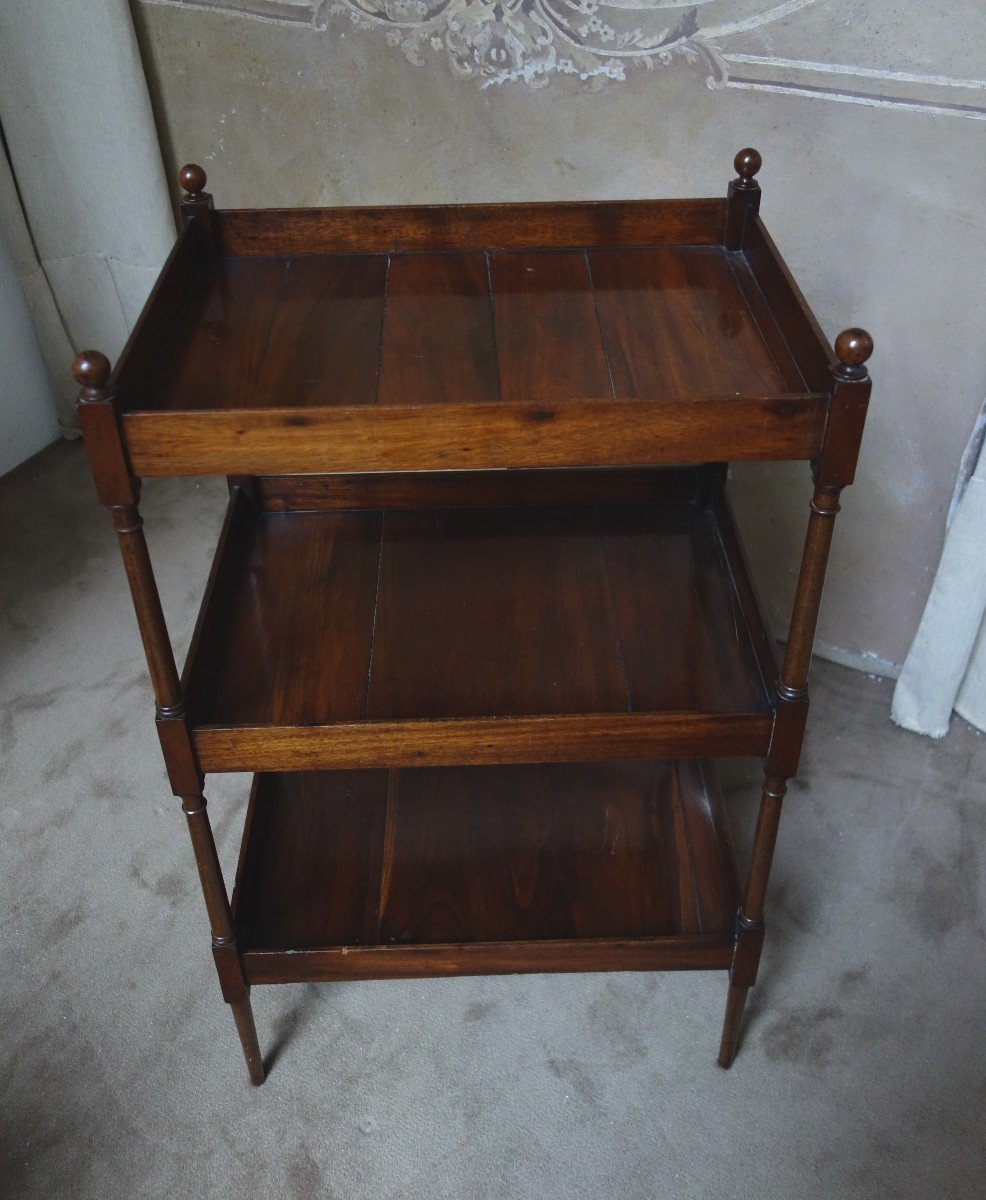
[479,612]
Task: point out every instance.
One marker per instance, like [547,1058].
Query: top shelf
[470,338]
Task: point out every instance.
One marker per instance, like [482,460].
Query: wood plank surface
[710,845]
[527,852]
[474,635]
[136,373]
[477,436]
[222,336]
[438,345]
[675,324]
[323,347]
[465,742]
[488,958]
[295,642]
[312,866]
[767,324]
[547,335]
[683,632]
[797,322]
[470,489]
[532,853]
[471,227]
[493,612]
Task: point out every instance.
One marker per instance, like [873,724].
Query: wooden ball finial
[853,347]
[747,163]
[192,179]
[91,370]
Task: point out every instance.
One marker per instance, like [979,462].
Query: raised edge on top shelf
[470,337]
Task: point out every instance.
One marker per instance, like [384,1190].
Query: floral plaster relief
[506,41]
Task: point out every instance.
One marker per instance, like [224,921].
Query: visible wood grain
[217,598]
[438,345]
[323,346]
[762,640]
[437,743]
[795,319]
[674,324]
[767,324]
[482,855]
[520,853]
[221,339]
[135,376]
[493,612]
[317,619]
[472,227]
[709,846]
[112,472]
[488,958]
[683,630]
[836,466]
[547,336]
[313,859]
[476,436]
[293,644]
[471,489]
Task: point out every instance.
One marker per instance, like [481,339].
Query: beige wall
[27,406]
[873,187]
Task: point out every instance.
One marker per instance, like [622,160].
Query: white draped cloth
[83,197]
[946,665]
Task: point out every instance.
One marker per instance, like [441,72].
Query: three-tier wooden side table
[479,615]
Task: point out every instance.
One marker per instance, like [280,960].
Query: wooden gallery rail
[479,615]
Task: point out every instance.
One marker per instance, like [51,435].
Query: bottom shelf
[484,870]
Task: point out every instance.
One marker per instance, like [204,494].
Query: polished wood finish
[135,377]
[673,326]
[437,228]
[678,952]
[197,208]
[479,602]
[447,328]
[439,866]
[797,323]
[437,344]
[120,493]
[654,324]
[476,436]
[742,199]
[485,359]
[547,330]
[487,740]
[473,635]
[850,397]
[223,336]
[477,489]
[326,324]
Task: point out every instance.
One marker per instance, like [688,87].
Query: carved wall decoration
[497,42]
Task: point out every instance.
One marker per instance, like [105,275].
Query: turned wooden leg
[749,919]
[245,1027]
[228,965]
[735,1003]
[120,492]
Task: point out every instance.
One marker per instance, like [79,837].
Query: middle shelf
[439,636]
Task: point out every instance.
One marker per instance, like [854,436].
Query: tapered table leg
[735,1003]
[245,1027]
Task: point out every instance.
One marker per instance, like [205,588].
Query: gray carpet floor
[862,1072]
